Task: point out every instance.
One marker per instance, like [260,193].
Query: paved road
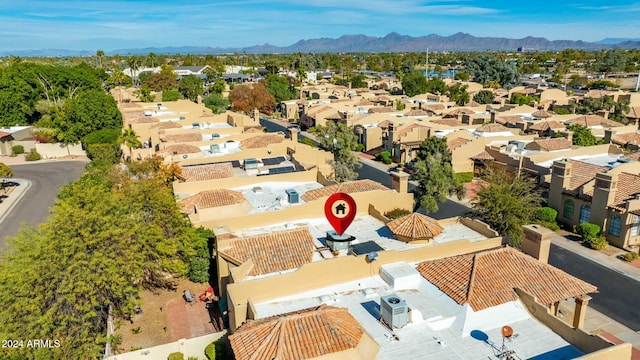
[618,296]
[46,179]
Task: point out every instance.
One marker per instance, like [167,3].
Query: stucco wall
[189,347]
[314,275]
[584,341]
[49,151]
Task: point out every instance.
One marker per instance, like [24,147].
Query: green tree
[521,99]
[462,76]
[87,112]
[582,135]
[484,97]
[414,84]
[217,103]
[134,64]
[5,171]
[507,203]
[458,94]
[60,279]
[341,141]
[191,87]
[130,139]
[486,69]
[164,80]
[437,86]
[171,95]
[100,55]
[144,94]
[279,87]
[435,176]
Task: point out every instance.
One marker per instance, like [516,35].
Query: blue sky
[118,24]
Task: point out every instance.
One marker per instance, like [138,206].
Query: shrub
[385,157]
[396,213]
[176,356]
[598,242]
[464,177]
[553,226]
[359,147]
[33,155]
[104,153]
[199,269]
[588,231]
[217,350]
[546,214]
[17,149]
[308,141]
[136,330]
[630,256]
[562,111]
[171,95]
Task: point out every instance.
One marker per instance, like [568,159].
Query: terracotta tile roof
[415,226]
[582,173]
[446,121]
[306,334]
[509,119]
[632,156]
[334,116]
[179,149]
[348,187]
[634,112]
[261,141]
[492,128]
[143,120]
[460,111]
[167,125]
[433,107]
[541,114]
[364,102]
[484,155]
[183,137]
[628,188]
[273,252]
[384,124]
[380,109]
[207,172]
[210,199]
[552,144]
[456,143]
[593,120]
[487,279]
[546,125]
[252,130]
[627,139]
[407,129]
[416,113]
[3,134]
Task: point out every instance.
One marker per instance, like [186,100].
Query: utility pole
[427,65]
[638,81]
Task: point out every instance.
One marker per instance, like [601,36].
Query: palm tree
[133,62]
[100,55]
[130,139]
[152,58]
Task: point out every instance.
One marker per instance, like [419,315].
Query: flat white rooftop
[439,327]
[270,196]
[608,160]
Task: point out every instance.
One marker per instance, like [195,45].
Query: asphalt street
[46,179]
[618,295]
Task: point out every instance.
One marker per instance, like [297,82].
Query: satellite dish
[507,331]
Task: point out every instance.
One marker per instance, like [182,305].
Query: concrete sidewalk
[9,199]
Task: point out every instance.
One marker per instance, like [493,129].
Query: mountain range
[392,42]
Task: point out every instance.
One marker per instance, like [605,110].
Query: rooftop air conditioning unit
[215,148]
[394,311]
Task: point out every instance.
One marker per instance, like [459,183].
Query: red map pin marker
[340,209]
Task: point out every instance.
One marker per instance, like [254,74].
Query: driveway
[46,179]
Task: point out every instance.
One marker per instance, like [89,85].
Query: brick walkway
[188,320]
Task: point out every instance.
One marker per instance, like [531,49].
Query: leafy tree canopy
[458,94]
[191,87]
[435,176]
[280,88]
[109,235]
[414,84]
[506,203]
[247,97]
[486,69]
[484,97]
[341,141]
[164,80]
[582,135]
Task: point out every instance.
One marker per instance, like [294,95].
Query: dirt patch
[165,317]
[612,251]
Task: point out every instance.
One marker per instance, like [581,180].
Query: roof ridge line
[472,277]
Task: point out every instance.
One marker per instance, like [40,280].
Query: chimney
[400,182]
[604,194]
[608,134]
[293,134]
[560,180]
[493,116]
[256,116]
[537,242]
[568,135]
[582,302]
[389,144]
